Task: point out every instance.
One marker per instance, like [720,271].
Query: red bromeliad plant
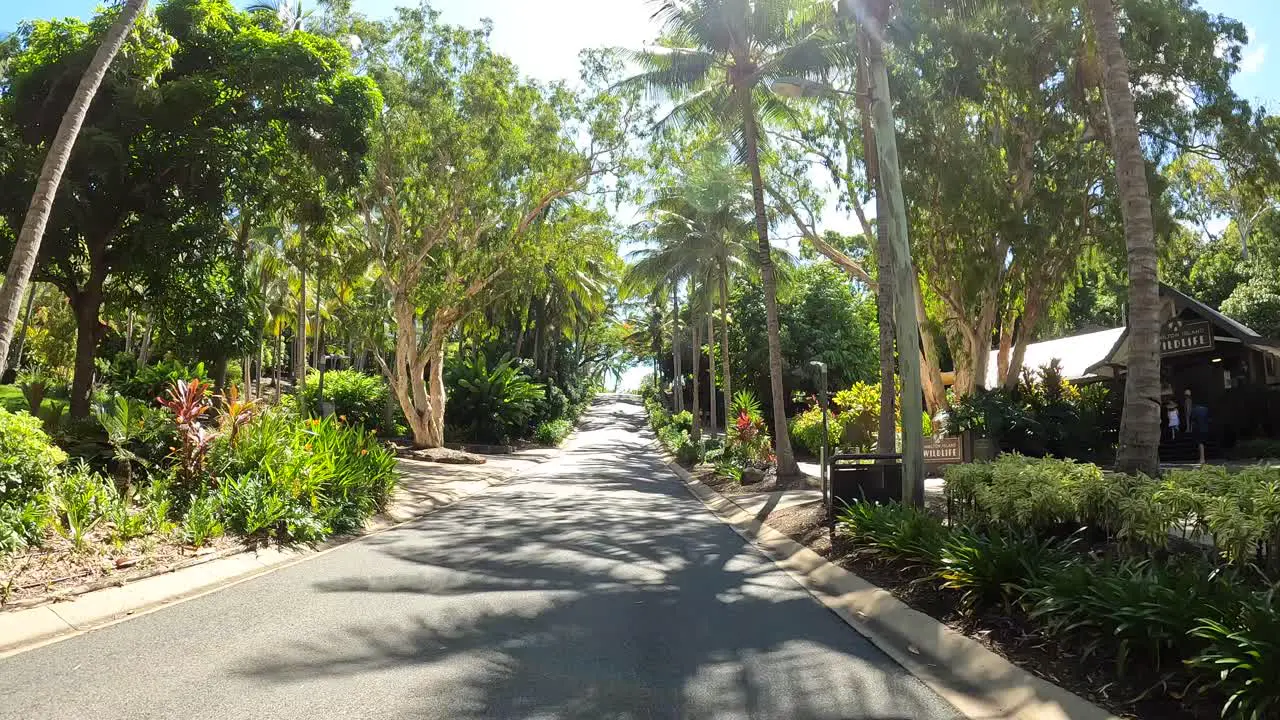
[749,438]
[189,402]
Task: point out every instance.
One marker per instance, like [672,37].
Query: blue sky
[544,38]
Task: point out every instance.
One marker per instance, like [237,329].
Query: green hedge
[1177,617]
[1238,511]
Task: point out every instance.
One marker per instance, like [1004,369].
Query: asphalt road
[594,587]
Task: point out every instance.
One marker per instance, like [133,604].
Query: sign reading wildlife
[945,450]
[1182,337]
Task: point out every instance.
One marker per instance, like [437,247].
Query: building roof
[1097,354]
[1077,354]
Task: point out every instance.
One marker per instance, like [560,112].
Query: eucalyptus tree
[469,160]
[714,61]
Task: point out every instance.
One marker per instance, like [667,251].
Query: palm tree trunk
[695,351]
[26,321]
[786,459]
[906,328]
[886,442]
[300,339]
[711,361]
[1140,420]
[724,340]
[262,360]
[677,384]
[275,382]
[316,359]
[128,333]
[27,248]
[144,349]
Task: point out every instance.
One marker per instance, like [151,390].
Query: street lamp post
[823,474]
[905,321]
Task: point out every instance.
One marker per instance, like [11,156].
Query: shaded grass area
[12,399]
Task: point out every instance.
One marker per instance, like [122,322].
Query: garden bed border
[977,682]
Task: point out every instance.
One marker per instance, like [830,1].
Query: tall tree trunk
[677,381]
[128,333]
[886,442]
[144,349]
[262,366]
[695,351]
[1140,419]
[317,359]
[906,327]
[26,322]
[724,340]
[300,338]
[220,373]
[275,380]
[27,248]
[935,392]
[786,459]
[711,360]
[87,304]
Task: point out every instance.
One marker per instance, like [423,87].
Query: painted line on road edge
[976,681]
[45,626]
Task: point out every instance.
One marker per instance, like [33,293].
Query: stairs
[1185,449]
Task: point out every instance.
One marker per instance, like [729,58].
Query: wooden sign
[1183,338]
[946,450]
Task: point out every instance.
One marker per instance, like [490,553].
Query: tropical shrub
[28,458]
[992,568]
[202,522]
[20,524]
[747,437]
[806,430]
[894,531]
[1044,415]
[78,501]
[490,403]
[302,480]
[153,381]
[138,434]
[190,404]
[1134,610]
[1241,656]
[359,397]
[552,432]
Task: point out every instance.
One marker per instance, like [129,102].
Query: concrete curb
[54,621]
[977,682]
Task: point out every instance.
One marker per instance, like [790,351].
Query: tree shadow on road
[597,589]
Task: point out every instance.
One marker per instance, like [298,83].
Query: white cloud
[1252,58]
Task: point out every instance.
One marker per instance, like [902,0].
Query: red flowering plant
[748,437]
[189,402]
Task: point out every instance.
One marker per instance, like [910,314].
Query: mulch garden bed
[57,569]
[1148,697]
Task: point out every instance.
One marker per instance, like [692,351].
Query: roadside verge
[425,488]
[976,681]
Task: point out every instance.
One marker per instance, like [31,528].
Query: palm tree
[712,206]
[291,13]
[715,61]
[23,261]
[1139,449]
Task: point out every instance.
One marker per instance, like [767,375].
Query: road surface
[593,587]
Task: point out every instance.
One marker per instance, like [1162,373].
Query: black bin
[865,478]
